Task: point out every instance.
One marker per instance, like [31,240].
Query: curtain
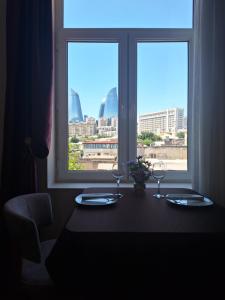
[208,106]
[27,123]
[2,73]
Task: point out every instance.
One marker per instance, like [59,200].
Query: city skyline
[162,67]
[100,68]
[108,107]
[162,74]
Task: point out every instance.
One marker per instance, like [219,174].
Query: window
[122,86]
[162,102]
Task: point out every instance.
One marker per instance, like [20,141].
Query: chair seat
[36,273]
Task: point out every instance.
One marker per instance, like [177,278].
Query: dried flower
[139,169]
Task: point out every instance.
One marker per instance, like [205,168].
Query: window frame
[127,40]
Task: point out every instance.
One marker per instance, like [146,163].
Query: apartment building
[169,120]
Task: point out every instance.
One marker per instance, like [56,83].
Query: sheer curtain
[208,109]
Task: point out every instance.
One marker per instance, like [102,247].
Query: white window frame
[127,40]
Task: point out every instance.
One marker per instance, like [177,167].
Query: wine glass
[159,172]
[118,172]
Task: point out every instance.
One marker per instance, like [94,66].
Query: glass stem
[118,184]
[158,181]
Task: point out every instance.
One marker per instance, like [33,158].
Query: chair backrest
[24,214]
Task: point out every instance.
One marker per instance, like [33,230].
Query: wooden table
[138,231]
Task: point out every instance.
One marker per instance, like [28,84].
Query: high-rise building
[75,112]
[169,120]
[185,123]
[101,110]
[109,105]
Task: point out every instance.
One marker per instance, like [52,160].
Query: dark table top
[99,242]
[135,213]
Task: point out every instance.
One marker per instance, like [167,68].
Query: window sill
[63,185]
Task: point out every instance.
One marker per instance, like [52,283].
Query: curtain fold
[2,74]
[28,93]
[208,107]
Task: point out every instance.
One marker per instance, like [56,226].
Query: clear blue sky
[162,67]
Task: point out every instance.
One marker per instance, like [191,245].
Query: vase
[139,187]
[140,177]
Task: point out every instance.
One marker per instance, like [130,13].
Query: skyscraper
[75,112]
[109,105]
[101,110]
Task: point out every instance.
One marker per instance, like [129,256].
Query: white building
[109,131]
[169,120]
[82,129]
[100,149]
[108,127]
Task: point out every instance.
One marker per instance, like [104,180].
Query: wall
[2,72]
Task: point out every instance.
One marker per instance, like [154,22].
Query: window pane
[92,105]
[162,103]
[128,14]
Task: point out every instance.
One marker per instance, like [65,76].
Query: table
[138,231]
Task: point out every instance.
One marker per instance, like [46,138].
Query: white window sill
[64,185]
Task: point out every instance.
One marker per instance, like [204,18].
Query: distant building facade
[169,120]
[100,149]
[82,129]
[108,127]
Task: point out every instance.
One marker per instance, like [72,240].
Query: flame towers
[75,112]
[108,108]
[109,105]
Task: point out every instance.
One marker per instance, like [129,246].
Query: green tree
[73,158]
[149,135]
[147,138]
[146,142]
[180,135]
[74,139]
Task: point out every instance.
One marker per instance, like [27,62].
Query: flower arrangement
[140,171]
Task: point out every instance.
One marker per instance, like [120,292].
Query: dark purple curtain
[28,93]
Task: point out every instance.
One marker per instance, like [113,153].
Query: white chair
[24,217]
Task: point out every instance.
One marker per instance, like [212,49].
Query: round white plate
[191,202]
[97,199]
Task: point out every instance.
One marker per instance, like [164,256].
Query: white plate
[185,196]
[97,199]
[188,200]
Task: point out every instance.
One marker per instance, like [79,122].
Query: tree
[180,135]
[147,138]
[150,136]
[73,158]
[74,139]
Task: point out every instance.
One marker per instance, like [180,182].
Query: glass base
[118,195]
[158,196]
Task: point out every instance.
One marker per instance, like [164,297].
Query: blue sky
[127,13]
[162,67]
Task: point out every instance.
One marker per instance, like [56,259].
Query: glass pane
[92,105]
[128,14]
[162,103]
